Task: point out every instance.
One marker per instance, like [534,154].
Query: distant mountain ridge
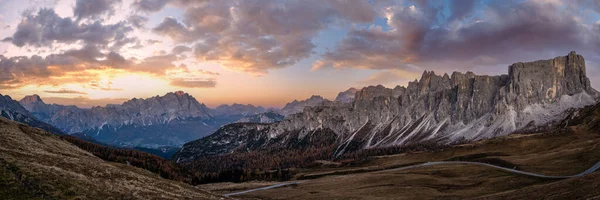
[238,110]
[266,117]
[442,109]
[12,109]
[43,111]
[347,96]
[155,122]
[298,106]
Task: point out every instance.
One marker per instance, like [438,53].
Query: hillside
[566,147]
[39,165]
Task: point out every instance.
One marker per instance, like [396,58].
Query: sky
[97,52]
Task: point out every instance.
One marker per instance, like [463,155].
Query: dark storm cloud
[45,27]
[461,9]
[504,33]
[93,8]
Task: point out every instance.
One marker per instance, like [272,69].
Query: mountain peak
[180,93]
[313,97]
[32,99]
[346,96]
[297,106]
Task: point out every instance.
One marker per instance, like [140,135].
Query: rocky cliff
[12,110]
[440,108]
[346,96]
[238,110]
[43,111]
[267,117]
[168,120]
[297,106]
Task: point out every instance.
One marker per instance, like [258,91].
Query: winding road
[265,188]
[590,170]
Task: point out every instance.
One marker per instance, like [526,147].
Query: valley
[560,152]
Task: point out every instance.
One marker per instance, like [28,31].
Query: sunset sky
[268,53]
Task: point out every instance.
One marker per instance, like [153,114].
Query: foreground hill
[35,164]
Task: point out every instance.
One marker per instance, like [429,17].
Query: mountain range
[443,109]
[155,122]
[12,110]
[436,108]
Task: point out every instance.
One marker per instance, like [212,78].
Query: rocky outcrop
[439,108]
[238,110]
[43,111]
[265,118]
[346,96]
[11,109]
[297,106]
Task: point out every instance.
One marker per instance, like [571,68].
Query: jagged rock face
[238,110]
[169,120]
[297,106]
[7,104]
[267,117]
[12,110]
[43,111]
[141,112]
[444,109]
[346,96]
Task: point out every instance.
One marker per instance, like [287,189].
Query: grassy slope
[37,164]
[560,151]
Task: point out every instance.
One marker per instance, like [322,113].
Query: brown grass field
[560,152]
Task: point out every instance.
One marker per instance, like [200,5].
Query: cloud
[22,70]
[421,33]
[73,60]
[257,36]
[45,27]
[209,83]
[153,41]
[83,102]
[155,64]
[137,21]
[180,49]
[99,85]
[150,5]
[182,76]
[390,77]
[64,91]
[93,8]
